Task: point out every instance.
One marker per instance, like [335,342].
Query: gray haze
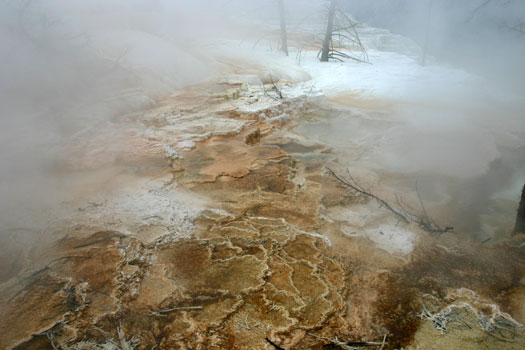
[485,36]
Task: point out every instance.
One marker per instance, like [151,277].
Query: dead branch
[384,342]
[358,189]
[340,26]
[439,320]
[267,94]
[351,29]
[476,10]
[519,28]
[273,344]
[424,221]
[51,337]
[163,313]
[349,345]
[450,250]
[105,239]
[279,92]
[498,326]
[274,87]
[299,55]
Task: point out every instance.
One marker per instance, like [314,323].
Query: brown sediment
[257,264]
[10,261]
[396,306]
[76,276]
[512,301]
[254,137]
[490,270]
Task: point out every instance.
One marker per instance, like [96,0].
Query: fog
[69,66]
[172,176]
[481,36]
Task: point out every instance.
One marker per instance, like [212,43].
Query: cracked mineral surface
[219,228]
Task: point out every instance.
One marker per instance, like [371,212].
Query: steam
[482,36]
[70,66]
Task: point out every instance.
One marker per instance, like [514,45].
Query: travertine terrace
[224,231]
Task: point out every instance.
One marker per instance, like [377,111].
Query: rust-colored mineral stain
[191,266]
[395,307]
[250,271]
[302,248]
[44,298]
[488,270]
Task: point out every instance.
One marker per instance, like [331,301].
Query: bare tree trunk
[328,35]
[519,227]
[284,38]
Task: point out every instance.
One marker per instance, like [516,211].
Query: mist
[181,161]
[71,66]
[485,37]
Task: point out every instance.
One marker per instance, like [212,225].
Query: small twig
[421,203]
[279,93]
[384,342]
[162,313]
[475,11]
[273,344]
[363,343]
[267,94]
[349,344]
[246,324]
[90,205]
[108,238]
[450,250]
[353,185]
[51,337]
[424,221]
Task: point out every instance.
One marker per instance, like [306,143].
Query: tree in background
[342,28]
[515,24]
[327,42]
[519,227]
[284,35]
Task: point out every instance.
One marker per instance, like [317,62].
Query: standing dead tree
[284,35]
[423,220]
[343,30]
[519,227]
[517,25]
[327,42]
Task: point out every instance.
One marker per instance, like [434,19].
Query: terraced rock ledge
[226,232]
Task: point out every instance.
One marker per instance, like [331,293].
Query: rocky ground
[217,226]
